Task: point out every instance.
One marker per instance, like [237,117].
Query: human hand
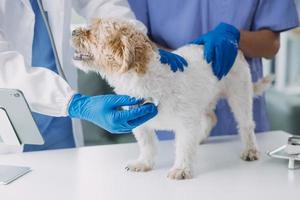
[105,111]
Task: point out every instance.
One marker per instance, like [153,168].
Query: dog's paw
[250,155]
[138,166]
[179,174]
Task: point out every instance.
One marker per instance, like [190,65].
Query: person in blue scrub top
[222,26]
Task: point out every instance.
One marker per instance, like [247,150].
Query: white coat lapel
[27,4]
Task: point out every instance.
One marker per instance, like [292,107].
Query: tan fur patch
[116,46]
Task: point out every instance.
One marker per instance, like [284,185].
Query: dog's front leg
[147,142]
[187,140]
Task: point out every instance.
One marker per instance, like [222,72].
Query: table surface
[98,173]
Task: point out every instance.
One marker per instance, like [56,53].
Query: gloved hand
[105,111]
[175,61]
[220,47]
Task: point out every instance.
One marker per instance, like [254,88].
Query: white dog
[129,61]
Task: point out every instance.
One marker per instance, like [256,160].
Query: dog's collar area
[81,56]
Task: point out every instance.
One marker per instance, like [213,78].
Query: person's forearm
[46,92]
[264,43]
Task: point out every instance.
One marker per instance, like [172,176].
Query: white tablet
[20,127]
[7,133]
[10,173]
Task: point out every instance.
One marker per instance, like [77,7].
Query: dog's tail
[263,84]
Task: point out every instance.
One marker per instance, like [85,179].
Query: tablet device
[10,173]
[16,112]
[7,133]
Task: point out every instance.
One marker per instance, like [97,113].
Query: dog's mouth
[82,56]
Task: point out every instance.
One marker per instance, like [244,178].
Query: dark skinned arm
[263,43]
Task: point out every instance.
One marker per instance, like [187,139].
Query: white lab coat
[46,92]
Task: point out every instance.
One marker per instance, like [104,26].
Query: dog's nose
[74,32]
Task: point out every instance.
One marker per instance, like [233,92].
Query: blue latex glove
[175,61]
[105,111]
[220,48]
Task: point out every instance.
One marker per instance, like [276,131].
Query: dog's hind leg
[147,142]
[211,121]
[239,95]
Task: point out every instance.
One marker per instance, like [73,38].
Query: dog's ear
[123,51]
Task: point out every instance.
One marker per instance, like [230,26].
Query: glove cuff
[74,106]
[230,29]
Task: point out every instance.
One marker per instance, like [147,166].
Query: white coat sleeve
[107,8]
[46,92]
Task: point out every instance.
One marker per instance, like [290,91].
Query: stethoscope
[45,18]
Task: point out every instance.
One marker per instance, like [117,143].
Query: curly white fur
[186,99]
[186,102]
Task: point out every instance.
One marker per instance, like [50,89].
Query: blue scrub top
[56,131]
[173,23]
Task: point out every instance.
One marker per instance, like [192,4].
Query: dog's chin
[80,65]
[85,67]
[82,61]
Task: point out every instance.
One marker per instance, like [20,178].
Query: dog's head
[111,46]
